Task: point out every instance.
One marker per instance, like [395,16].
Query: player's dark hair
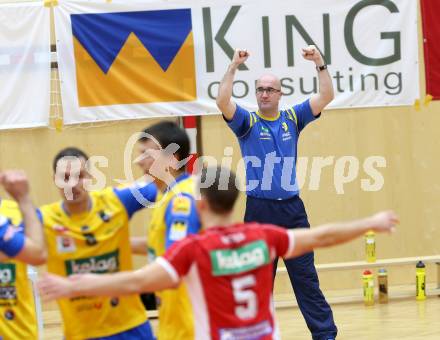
[167,133]
[218,186]
[69,152]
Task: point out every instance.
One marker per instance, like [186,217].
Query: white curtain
[24,65]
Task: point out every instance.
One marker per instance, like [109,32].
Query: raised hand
[312,53]
[15,183]
[240,56]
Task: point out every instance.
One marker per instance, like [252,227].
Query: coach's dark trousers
[289,214]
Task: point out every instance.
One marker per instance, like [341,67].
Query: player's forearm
[225,88]
[326,91]
[33,227]
[336,233]
[150,278]
[118,284]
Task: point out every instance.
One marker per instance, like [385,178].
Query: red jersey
[228,272]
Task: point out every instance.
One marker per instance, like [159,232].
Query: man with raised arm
[21,243]
[268,140]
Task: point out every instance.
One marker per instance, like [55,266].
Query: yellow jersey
[17,307]
[173,218]
[96,241]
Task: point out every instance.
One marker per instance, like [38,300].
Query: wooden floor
[405,319]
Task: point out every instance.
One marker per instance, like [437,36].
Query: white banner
[24,65]
[125,60]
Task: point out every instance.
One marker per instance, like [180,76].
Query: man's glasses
[268,90]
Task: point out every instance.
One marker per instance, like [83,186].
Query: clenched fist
[312,53]
[15,183]
[240,56]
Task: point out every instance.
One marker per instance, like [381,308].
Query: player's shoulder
[269,227]
[260,230]
[204,239]
[8,204]
[254,115]
[51,208]
[9,209]
[184,186]
[185,246]
[251,226]
[52,216]
[289,114]
[107,192]
[106,197]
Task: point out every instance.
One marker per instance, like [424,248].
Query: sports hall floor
[399,319]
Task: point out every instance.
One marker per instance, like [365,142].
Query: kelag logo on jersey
[234,261]
[134,57]
[7,273]
[7,281]
[106,263]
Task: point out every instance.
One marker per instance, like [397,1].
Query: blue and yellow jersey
[271,143]
[17,307]
[96,241]
[174,217]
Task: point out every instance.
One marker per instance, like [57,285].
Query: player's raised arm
[305,240]
[33,250]
[147,279]
[224,101]
[326,93]
[137,196]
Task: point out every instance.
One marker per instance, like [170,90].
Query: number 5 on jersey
[245,297]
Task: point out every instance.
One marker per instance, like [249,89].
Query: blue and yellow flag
[134,57]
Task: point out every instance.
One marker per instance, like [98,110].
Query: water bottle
[382,278]
[368,284]
[420,281]
[370,247]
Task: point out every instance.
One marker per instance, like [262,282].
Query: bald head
[268,93]
[269,80]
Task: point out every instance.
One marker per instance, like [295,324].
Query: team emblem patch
[65,244]
[104,216]
[178,230]
[114,302]
[9,315]
[90,239]
[85,228]
[181,205]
